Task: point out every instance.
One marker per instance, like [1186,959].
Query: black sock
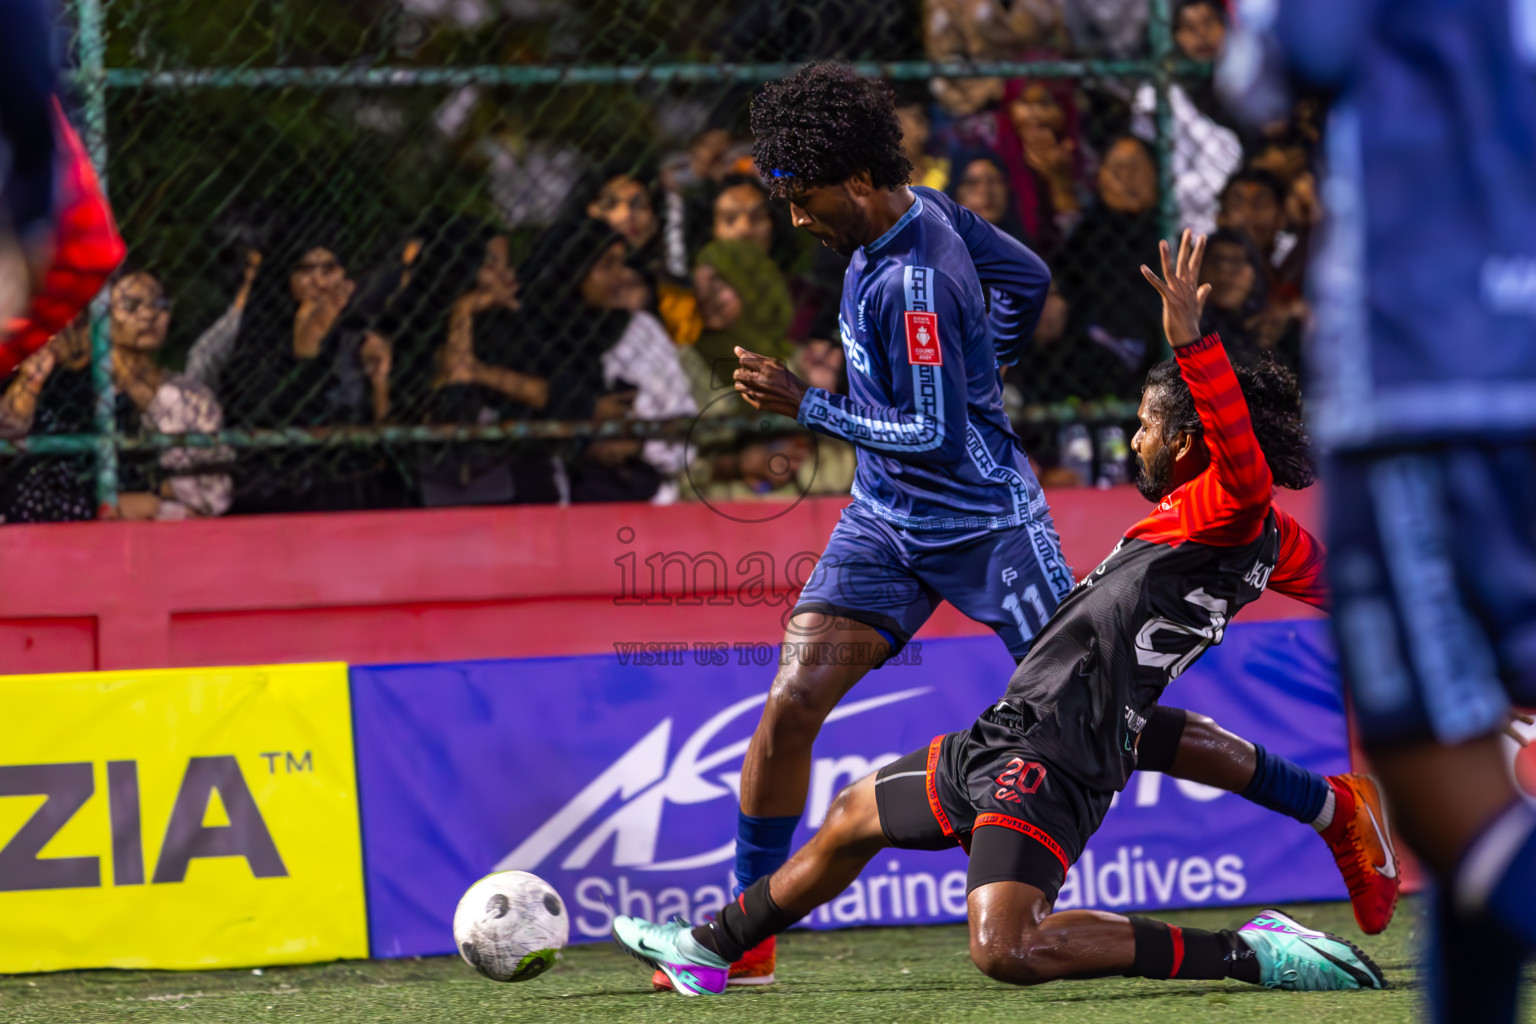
[743,924]
[1167,951]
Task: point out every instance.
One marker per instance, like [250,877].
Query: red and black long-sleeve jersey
[1165,593]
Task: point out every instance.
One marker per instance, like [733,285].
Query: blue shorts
[1432,561]
[893,578]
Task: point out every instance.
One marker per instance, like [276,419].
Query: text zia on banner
[178,819]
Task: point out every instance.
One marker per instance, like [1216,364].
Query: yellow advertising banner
[180,818]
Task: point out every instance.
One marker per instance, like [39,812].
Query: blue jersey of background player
[1425,286]
[1425,292]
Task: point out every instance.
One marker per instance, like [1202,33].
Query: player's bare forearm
[1182,293]
[768,385]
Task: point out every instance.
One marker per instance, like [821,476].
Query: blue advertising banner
[615,778]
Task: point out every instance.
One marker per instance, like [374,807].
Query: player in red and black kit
[1026,786]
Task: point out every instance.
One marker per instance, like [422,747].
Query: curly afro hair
[825,124]
[1274,404]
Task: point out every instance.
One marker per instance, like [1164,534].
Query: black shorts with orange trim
[1019,817]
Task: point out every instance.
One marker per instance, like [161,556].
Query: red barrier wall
[446,584]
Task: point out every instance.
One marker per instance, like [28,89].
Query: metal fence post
[93,85]
[1160,32]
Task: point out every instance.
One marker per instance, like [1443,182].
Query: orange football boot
[1362,847]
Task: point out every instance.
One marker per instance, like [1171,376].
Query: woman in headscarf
[1035,131]
[979,183]
[1239,306]
[296,360]
[570,342]
[744,301]
[306,356]
[437,264]
[1098,268]
[627,197]
[1039,124]
[606,356]
[463,307]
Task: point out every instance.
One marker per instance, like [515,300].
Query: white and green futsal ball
[510,926]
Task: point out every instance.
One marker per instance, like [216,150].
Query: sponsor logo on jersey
[851,347]
[923,339]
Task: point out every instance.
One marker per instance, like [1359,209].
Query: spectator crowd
[629,304]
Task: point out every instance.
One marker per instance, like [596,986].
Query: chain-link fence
[404,252]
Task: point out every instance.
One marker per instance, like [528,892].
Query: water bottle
[1076,446]
[1114,456]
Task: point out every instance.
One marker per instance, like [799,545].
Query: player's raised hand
[1183,294]
[768,385]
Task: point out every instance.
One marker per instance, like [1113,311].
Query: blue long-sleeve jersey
[924,405]
[26,114]
[1425,285]
[1014,279]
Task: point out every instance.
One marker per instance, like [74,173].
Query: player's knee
[853,819]
[800,701]
[843,813]
[1020,959]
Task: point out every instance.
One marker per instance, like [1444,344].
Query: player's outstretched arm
[1236,459]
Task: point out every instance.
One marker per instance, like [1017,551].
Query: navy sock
[1497,875]
[762,846]
[1284,786]
[1474,969]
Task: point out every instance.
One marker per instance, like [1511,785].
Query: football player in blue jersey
[1425,289]
[945,504]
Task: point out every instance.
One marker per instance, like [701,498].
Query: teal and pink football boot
[670,948]
[1298,959]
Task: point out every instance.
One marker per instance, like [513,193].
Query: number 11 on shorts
[1013,606]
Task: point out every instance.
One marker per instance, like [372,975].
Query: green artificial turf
[882,976]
